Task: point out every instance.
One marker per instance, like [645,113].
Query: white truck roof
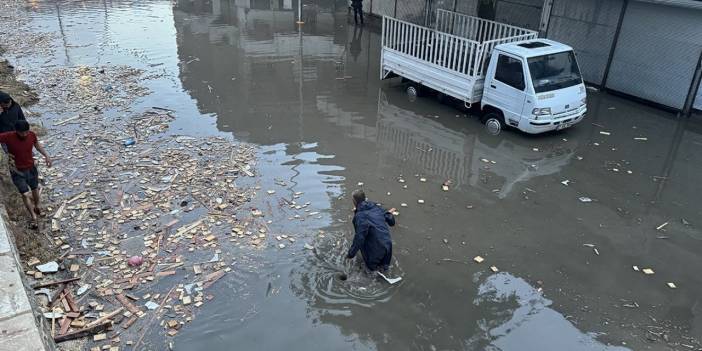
[533,48]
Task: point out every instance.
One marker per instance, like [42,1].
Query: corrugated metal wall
[439,4]
[521,13]
[657,52]
[383,7]
[412,10]
[589,27]
[469,7]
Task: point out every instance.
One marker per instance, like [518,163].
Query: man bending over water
[371,223]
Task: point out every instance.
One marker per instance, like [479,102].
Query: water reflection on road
[312,101]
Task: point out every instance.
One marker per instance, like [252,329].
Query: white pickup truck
[519,80]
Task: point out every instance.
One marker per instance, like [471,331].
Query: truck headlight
[541,112]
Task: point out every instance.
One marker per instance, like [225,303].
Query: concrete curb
[22,327]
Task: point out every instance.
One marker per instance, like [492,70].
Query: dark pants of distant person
[357,12]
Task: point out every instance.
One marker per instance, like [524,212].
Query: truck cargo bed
[449,58]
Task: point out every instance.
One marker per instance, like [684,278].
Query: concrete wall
[19,324]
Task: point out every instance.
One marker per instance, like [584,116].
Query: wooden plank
[44,285]
[105,317]
[127,304]
[94,329]
[56,294]
[65,324]
[212,278]
[68,296]
[129,322]
[64,302]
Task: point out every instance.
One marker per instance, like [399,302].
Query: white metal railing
[459,42]
[442,49]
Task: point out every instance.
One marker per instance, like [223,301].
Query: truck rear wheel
[494,123]
[413,91]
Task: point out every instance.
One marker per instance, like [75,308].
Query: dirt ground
[29,243]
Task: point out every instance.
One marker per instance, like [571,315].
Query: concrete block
[20,333]
[5,246]
[13,298]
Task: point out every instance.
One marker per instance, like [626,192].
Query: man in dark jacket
[10,113]
[372,238]
[357,6]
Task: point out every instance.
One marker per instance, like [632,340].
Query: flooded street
[322,124]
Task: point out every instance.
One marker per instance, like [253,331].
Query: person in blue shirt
[372,225]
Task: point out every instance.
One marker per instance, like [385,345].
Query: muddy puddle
[309,102]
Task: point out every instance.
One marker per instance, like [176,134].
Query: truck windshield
[554,71]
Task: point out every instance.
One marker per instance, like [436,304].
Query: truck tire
[413,91]
[494,122]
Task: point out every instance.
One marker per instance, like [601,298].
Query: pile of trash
[91,89]
[21,41]
[129,215]
[138,214]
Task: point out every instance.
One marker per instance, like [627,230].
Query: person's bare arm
[41,150]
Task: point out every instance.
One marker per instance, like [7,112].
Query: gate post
[692,94]
[545,18]
[625,5]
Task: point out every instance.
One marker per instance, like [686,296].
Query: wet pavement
[323,123]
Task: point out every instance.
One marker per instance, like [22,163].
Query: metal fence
[459,43]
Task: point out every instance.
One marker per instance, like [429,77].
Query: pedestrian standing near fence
[357,6]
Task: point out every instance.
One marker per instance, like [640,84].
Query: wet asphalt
[310,98]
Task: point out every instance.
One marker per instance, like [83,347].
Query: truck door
[506,87]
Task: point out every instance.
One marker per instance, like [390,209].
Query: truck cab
[534,86]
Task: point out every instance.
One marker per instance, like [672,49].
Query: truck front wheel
[494,123]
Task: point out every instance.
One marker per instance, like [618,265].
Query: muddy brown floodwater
[322,122]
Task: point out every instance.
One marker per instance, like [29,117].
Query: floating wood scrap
[64,281]
[89,330]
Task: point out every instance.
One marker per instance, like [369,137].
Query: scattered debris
[49,267]
[478,259]
[662,226]
[390,281]
[605,133]
[151,305]
[135,261]
[671,285]
[565,182]
[494,269]
[648,271]
[584,199]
